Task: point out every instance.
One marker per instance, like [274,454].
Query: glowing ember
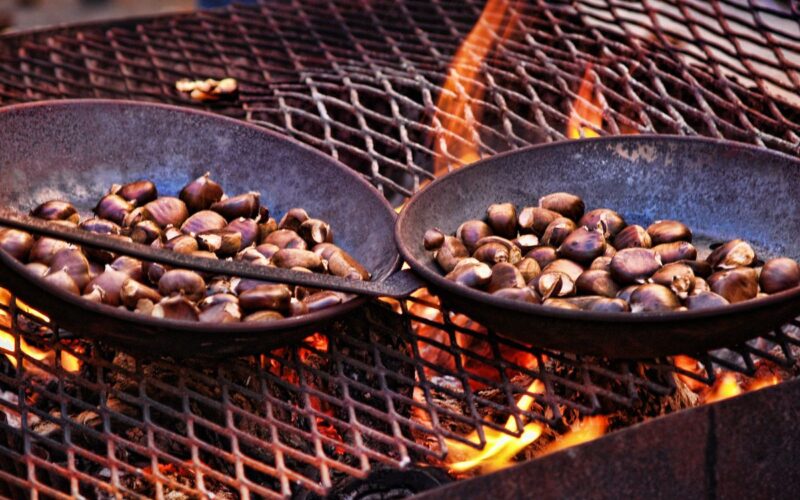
[586,111]
[690,365]
[456,115]
[500,447]
[586,430]
[7,343]
[725,388]
[761,383]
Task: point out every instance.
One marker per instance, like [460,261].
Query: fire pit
[403,396]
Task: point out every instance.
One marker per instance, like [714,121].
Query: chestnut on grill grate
[201,221]
[561,257]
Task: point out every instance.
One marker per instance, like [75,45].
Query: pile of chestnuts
[558,255]
[201,221]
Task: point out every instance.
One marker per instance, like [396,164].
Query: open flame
[456,115]
[8,344]
[586,114]
[586,430]
[727,387]
[500,447]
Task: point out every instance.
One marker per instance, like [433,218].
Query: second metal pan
[75,150]
[722,190]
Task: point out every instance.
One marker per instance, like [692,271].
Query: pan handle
[398,285]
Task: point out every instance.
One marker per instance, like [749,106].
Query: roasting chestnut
[273,297]
[557,231]
[472,231]
[504,275]
[321,300]
[138,192]
[17,243]
[675,251]
[502,218]
[583,245]
[535,220]
[568,205]
[602,263]
[202,221]
[184,244]
[128,265]
[342,264]
[286,238]
[113,207]
[451,251]
[529,268]
[632,237]
[315,231]
[109,283]
[705,300]
[669,231]
[565,266]
[560,303]
[56,210]
[244,205]
[524,294]
[606,304]
[166,211]
[201,193]
[248,229]
[62,280]
[288,258]
[184,282]
[223,242]
[779,274]
[470,272]
[653,298]
[100,226]
[263,316]
[735,285]
[554,284]
[634,265]
[732,254]
[224,312]
[611,222]
[677,277]
[597,282]
[177,307]
[493,252]
[526,242]
[145,232]
[542,254]
[433,239]
[293,219]
[74,262]
[131,292]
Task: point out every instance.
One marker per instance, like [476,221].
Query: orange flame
[586,430]
[586,110]
[456,136]
[8,344]
[726,387]
[500,447]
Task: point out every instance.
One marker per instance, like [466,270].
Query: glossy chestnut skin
[634,265]
[557,231]
[472,231]
[597,282]
[543,254]
[567,204]
[138,192]
[525,294]
[554,284]
[243,205]
[471,273]
[735,285]
[451,251]
[433,239]
[177,307]
[56,210]
[180,281]
[166,211]
[611,222]
[293,219]
[273,297]
[502,218]
[17,243]
[732,254]
[504,275]
[204,220]
[534,220]
[669,231]
[201,193]
[632,237]
[676,251]
[651,298]
[288,258]
[705,300]
[779,274]
[113,207]
[583,245]
[677,277]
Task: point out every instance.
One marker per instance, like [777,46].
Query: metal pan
[722,190]
[76,149]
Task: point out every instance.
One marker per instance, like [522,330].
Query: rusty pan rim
[676,318]
[298,322]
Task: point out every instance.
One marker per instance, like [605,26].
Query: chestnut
[217,298]
[542,254]
[732,254]
[62,280]
[343,264]
[451,251]
[45,248]
[470,272]
[321,300]
[37,268]
[526,242]
[653,298]
[611,222]
[597,282]
[266,228]
[677,277]
[669,231]
[502,218]
[113,207]
[297,308]
[535,220]
[492,253]
[292,219]
[315,231]
[253,256]
[583,245]
[204,220]
[145,232]
[565,266]
[109,282]
[166,211]
[625,293]
[557,231]
[779,274]
[504,275]
[177,308]
[248,229]
[735,285]
[675,251]
[605,304]
[17,243]
[74,262]
[244,205]
[274,297]
[100,226]
[286,238]
[700,268]
[568,205]
[184,244]
[602,263]
[136,216]
[138,192]
[700,286]
[529,268]
[224,312]
[128,265]
[267,250]
[634,265]
[472,231]
[263,316]
[632,237]
[183,282]
[131,292]
[288,258]
[56,210]
[554,284]
[201,193]
[223,242]
[705,300]
[524,294]
[433,239]
[560,304]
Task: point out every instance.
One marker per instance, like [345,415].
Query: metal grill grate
[359,80]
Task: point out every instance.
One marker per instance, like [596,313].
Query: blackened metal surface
[717,188]
[745,447]
[75,150]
